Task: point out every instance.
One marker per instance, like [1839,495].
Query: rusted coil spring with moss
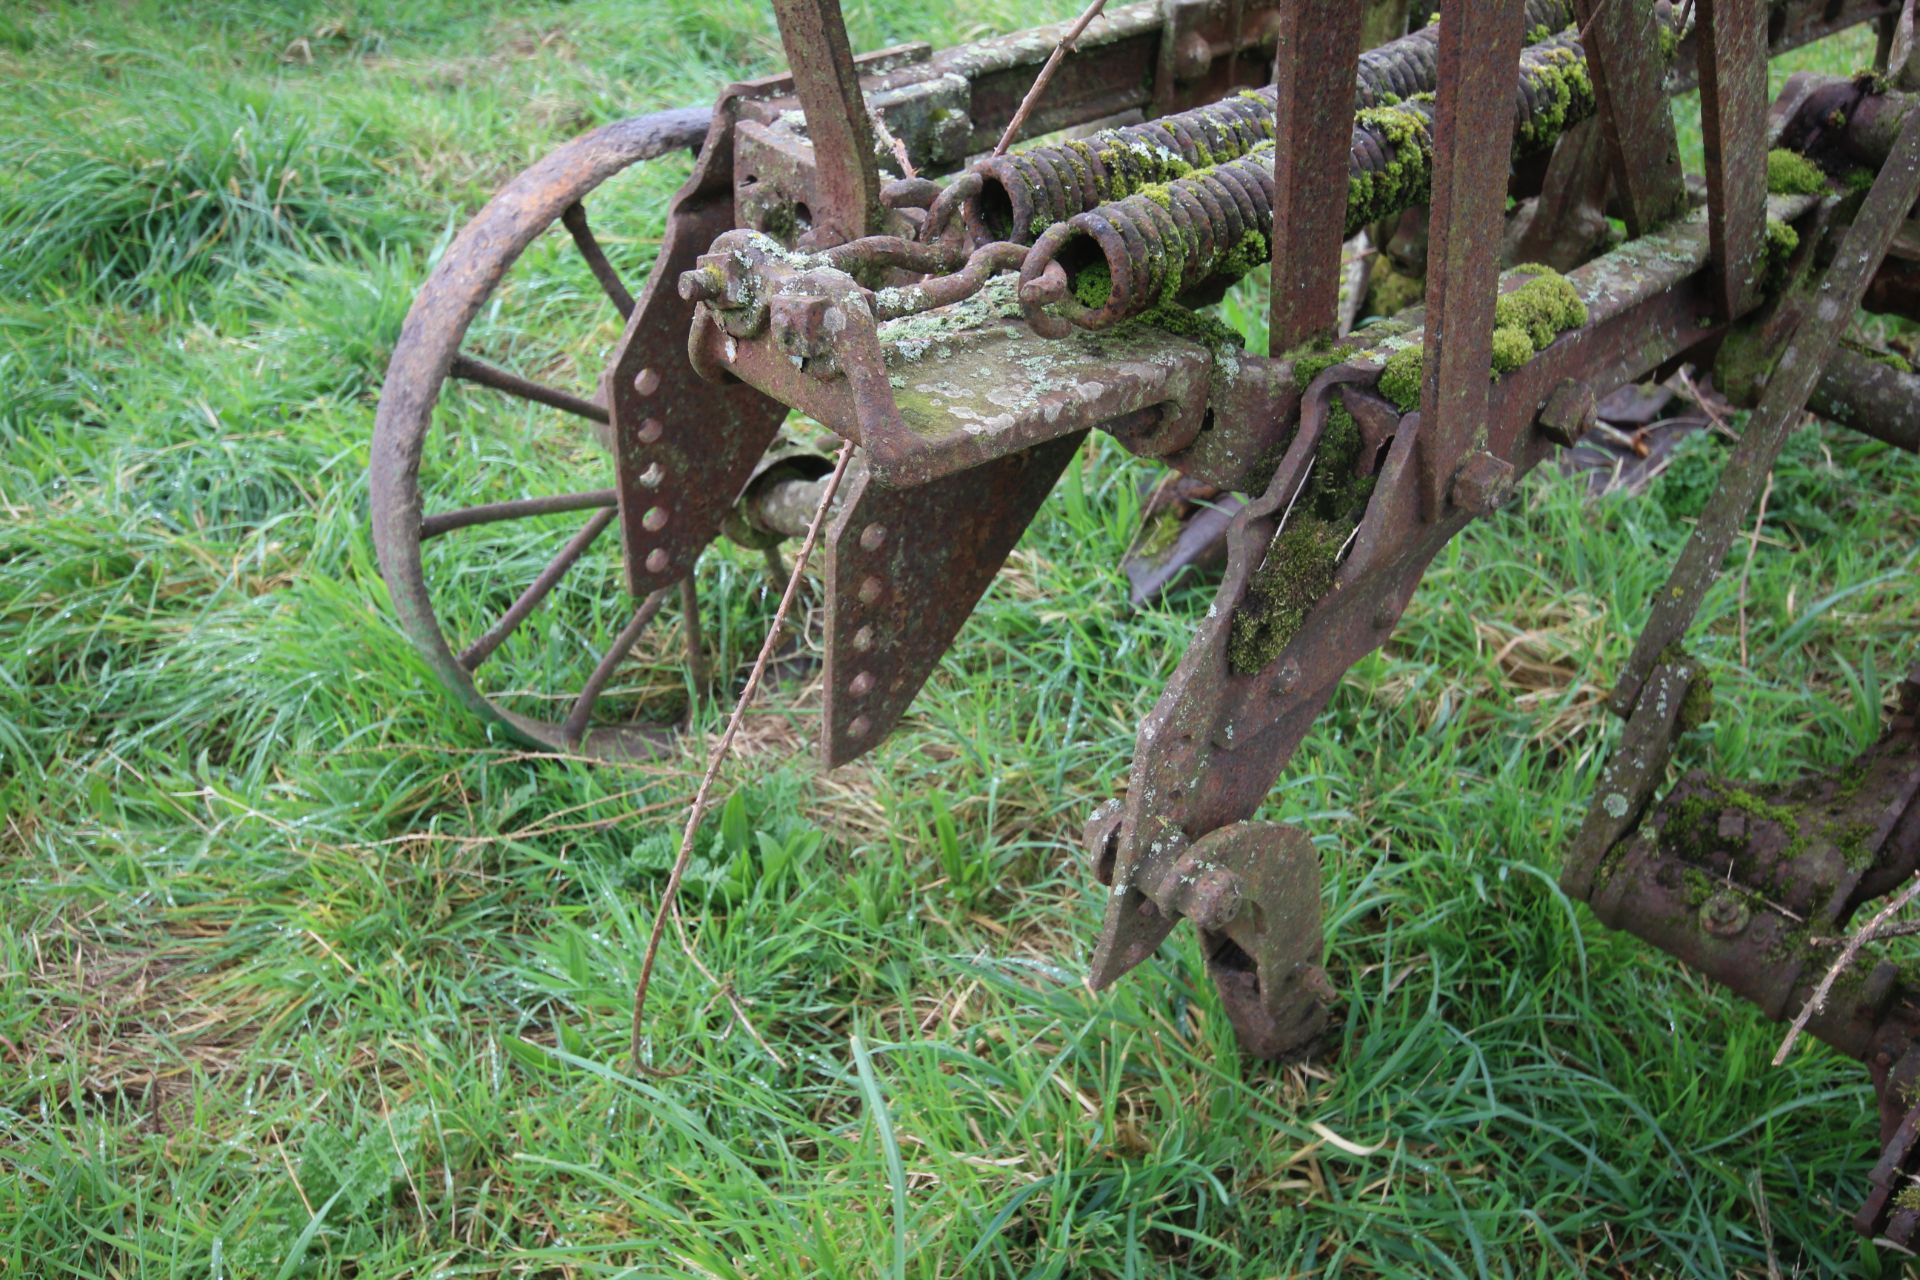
[1124,258]
[1019,195]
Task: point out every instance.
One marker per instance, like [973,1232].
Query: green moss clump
[1310,362]
[1669,42]
[1299,566]
[1562,89]
[1893,360]
[1543,308]
[1401,378]
[1093,284]
[1692,831]
[1511,349]
[1853,842]
[1391,290]
[1171,317]
[1296,573]
[1408,133]
[1791,174]
[1782,243]
[1697,707]
[1907,1198]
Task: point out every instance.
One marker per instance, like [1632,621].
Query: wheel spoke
[575,217]
[480,650]
[576,726]
[517,509]
[473,369]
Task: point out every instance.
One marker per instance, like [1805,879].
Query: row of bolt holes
[646,382]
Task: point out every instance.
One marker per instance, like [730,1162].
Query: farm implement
[852,244]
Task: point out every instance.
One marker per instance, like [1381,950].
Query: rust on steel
[1473,127]
[1623,45]
[1733,121]
[969,334]
[1318,40]
[846,168]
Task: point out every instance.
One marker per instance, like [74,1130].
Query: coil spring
[1218,223]
[1017,196]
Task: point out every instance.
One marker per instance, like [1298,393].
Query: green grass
[301,974]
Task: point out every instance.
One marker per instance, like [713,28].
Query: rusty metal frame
[800,273]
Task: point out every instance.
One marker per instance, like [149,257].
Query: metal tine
[1733,120]
[1319,45]
[1473,138]
[846,203]
[1622,41]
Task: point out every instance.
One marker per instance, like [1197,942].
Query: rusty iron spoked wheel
[517,468]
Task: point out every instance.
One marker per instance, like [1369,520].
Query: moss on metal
[1299,566]
[1791,174]
[1391,290]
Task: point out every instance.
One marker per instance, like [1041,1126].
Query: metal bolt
[861,685]
[1568,415]
[702,284]
[657,560]
[799,323]
[860,727]
[1213,900]
[647,381]
[1287,678]
[870,589]
[1724,916]
[1483,483]
[872,536]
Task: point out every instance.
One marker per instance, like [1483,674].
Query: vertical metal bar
[1733,118]
[1319,47]
[1473,143]
[1622,40]
[846,196]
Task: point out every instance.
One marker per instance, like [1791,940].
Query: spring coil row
[1149,247]
[1017,196]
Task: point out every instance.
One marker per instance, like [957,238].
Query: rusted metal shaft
[1874,398]
[1023,193]
[1123,258]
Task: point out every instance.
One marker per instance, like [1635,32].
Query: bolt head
[799,323]
[1724,916]
[1214,899]
[1568,414]
[1483,484]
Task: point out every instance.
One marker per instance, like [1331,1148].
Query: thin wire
[702,796]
